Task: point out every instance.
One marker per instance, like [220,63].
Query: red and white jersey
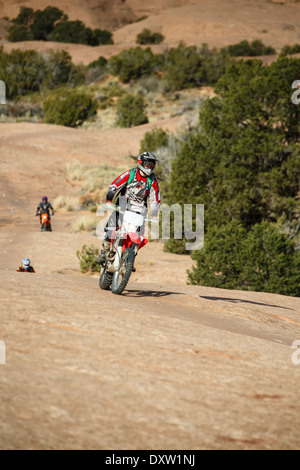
[138,190]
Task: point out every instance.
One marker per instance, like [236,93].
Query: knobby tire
[105,280]
[121,277]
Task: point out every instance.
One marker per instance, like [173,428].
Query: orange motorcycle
[45,222]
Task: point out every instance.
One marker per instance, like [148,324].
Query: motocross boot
[102,257]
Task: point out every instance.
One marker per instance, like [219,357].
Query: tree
[262,259]
[250,145]
[153,140]
[244,49]
[45,21]
[101,37]
[70,110]
[37,25]
[52,24]
[182,67]
[77,32]
[131,111]
[19,33]
[28,71]
[25,17]
[289,50]
[101,62]
[59,70]
[134,63]
[70,31]
[244,166]
[146,37]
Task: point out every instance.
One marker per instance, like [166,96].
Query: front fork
[119,252]
[118,256]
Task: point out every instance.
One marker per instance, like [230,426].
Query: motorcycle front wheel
[105,280]
[121,277]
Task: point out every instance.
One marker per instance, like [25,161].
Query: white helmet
[25,263]
[147,162]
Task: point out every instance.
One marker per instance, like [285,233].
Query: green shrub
[87,256]
[25,17]
[20,30]
[101,62]
[183,67]
[35,25]
[134,63]
[101,37]
[60,70]
[77,32]
[146,37]
[244,164]
[192,66]
[22,71]
[131,111]
[43,22]
[29,71]
[244,49]
[19,33]
[262,259]
[70,110]
[289,50]
[51,24]
[214,64]
[153,140]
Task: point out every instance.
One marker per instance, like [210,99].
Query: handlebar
[112,207]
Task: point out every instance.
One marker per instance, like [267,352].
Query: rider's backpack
[132,175]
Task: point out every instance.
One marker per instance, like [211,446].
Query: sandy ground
[164,366]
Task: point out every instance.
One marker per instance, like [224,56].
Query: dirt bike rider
[44,207]
[25,267]
[138,185]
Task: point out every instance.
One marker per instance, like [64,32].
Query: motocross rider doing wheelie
[138,185]
[44,207]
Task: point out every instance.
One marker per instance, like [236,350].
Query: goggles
[148,164]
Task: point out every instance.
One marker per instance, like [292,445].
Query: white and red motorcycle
[126,241]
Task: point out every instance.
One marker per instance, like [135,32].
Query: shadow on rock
[149,293]
[227,299]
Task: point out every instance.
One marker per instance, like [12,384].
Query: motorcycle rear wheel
[121,277]
[105,280]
